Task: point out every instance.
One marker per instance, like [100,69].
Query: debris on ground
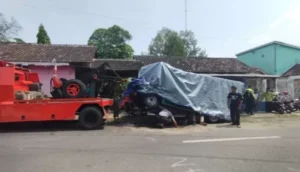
[257,122]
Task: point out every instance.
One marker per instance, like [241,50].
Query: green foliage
[111,42]
[42,36]
[19,40]
[190,45]
[120,88]
[8,28]
[171,43]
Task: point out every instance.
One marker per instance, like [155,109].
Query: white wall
[290,84]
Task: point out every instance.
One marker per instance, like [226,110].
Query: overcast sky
[222,27]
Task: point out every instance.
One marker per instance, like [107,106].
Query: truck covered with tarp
[204,94]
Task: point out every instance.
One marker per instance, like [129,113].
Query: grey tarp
[203,93]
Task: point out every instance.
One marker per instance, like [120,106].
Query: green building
[275,57]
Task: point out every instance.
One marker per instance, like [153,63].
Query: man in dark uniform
[235,100]
[249,100]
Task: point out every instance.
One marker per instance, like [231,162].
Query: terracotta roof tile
[202,65]
[119,64]
[17,52]
[293,71]
[116,64]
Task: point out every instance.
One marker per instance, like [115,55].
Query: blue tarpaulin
[203,93]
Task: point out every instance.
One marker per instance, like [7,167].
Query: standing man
[268,96]
[235,100]
[256,96]
[249,100]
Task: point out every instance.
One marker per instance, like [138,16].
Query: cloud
[260,39]
[282,29]
[292,15]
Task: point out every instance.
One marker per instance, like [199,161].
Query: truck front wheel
[91,118]
[151,101]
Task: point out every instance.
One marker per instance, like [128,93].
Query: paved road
[125,149]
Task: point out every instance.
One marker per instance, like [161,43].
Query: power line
[76,12]
[88,13]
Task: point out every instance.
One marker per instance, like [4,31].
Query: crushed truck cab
[21,100]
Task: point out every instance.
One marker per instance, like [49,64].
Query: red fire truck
[21,100]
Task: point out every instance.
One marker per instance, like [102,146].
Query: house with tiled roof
[69,59]
[39,58]
[293,71]
[45,53]
[274,57]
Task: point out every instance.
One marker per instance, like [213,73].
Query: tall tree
[112,42]
[42,36]
[171,43]
[191,45]
[167,43]
[8,28]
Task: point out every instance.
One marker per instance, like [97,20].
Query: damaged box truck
[185,94]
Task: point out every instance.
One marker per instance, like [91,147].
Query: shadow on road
[147,121]
[49,126]
[39,126]
[225,126]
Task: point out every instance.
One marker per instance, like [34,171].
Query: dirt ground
[264,120]
[257,121]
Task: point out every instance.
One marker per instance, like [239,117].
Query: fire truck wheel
[91,118]
[74,88]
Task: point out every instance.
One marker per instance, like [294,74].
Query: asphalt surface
[132,149]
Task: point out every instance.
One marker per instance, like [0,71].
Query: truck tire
[91,118]
[74,88]
[151,101]
[213,119]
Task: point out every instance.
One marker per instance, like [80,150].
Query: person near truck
[249,100]
[256,96]
[235,100]
[286,97]
[268,96]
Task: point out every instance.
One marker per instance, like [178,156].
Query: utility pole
[185,5]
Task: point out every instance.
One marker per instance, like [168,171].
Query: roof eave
[40,63]
[246,75]
[257,47]
[267,44]
[285,74]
